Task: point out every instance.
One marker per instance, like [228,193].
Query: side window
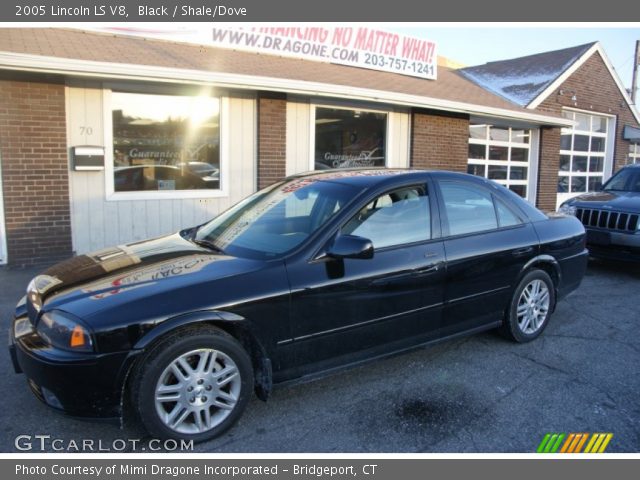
[469,208]
[395,218]
[506,218]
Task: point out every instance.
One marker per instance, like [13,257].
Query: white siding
[398,138]
[98,223]
[299,135]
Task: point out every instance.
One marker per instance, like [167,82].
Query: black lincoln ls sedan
[316,272]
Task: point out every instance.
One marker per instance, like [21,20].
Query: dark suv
[611,216]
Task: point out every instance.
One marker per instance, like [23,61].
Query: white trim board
[597,47]
[103,70]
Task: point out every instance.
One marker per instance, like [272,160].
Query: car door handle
[519,252]
[433,267]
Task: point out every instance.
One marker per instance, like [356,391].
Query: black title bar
[312,11]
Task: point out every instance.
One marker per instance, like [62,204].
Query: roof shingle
[521,80]
[103,47]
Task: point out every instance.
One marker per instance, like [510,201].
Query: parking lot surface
[477,394]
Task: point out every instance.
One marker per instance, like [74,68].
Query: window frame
[345,106]
[433,212]
[444,217]
[112,195]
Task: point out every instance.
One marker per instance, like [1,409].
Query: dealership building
[108,139]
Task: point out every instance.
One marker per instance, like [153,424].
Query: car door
[487,243]
[359,307]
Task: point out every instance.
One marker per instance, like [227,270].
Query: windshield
[275,220]
[626,180]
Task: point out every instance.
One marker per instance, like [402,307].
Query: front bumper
[82,385]
[613,245]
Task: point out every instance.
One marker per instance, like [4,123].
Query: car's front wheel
[530,307]
[193,385]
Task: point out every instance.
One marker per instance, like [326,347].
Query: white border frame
[344,106]
[4,255]
[112,195]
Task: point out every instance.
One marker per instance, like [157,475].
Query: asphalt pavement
[477,394]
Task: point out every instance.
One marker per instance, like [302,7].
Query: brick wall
[596,92]
[34,171]
[548,169]
[439,141]
[272,138]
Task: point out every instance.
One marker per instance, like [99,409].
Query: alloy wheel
[197,391]
[533,306]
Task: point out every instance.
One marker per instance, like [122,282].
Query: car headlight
[567,209]
[63,332]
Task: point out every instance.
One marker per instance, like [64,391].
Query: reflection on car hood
[90,283]
[623,201]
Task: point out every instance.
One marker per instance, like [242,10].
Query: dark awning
[631,133]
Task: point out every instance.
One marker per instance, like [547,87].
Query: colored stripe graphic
[573,442]
[550,443]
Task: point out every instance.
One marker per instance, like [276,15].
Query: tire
[526,319]
[203,379]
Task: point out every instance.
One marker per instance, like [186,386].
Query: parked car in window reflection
[160,177]
[316,272]
[201,169]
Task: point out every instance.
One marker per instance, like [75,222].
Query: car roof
[370,177]
[365,178]
[360,177]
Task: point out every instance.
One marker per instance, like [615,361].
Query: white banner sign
[354,46]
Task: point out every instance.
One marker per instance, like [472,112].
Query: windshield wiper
[208,244]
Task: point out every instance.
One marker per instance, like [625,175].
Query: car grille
[624,222]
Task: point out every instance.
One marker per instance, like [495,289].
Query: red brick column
[548,166]
[439,141]
[272,138]
[35,175]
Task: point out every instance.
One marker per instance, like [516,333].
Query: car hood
[623,201]
[151,271]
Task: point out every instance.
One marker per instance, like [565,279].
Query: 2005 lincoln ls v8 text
[313,273]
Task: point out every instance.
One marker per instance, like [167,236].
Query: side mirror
[351,246]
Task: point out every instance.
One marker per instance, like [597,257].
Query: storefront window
[165,142]
[349,138]
[501,154]
[582,153]
[634,153]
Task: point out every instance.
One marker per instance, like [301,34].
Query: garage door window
[634,153]
[582,153]
[165,142]
[500,154]
[346,138]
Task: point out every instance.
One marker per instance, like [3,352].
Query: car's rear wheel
[530,307]
[193,385]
